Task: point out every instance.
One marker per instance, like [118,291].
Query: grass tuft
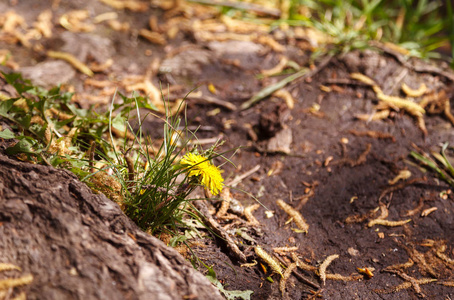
[149,180]
[440,163]
[418,27]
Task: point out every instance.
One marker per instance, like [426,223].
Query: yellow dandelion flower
[201,167]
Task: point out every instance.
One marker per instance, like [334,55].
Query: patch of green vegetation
[419,26]
[151,183]
[440,163]
[450,28]
[416,25]
[156,187]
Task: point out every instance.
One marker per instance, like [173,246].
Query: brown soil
[329,154]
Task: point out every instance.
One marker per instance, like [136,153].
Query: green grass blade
[272,88]
[447,164]
[431,164]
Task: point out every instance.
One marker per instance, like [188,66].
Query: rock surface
[79,245]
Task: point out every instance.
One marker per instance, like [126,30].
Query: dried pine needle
[301,264]
[395,289]
[44,23]
[411,107]
[379,115]
[425,280]
[144,84]
[59,114]
[153,37]
[426,212]
[8,267]
[288,98]
[285,249]
[414,93]
[285,277]
[101,67]
[11,20]
[403,174]
[222,36]
[105,17]
[406,265]
[394,102]
[415,283]
[254,263]
[427,243]
[373,134]
[421,124]
[325,88]
[273,263]
[387,223]
[13,282]
[384,212]
[416,209]
[421,261]
[295,215]
[118,26]
[324,266]
[276,168]
[249,216]
[362,78]
[72,60]
[340,277]
[131,5]
[270,42]
[74,21]
[378,90]
[396,48]
[240,26]
[276,69]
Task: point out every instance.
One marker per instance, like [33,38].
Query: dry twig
[208,219]
[239,178]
